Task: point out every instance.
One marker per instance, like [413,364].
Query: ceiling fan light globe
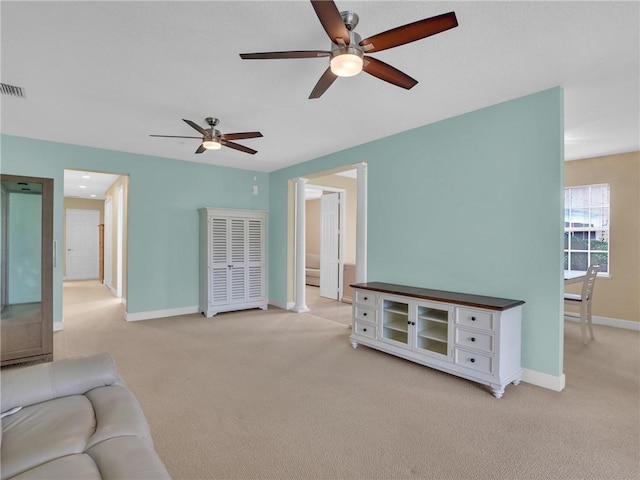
[346,61]
[211,145]
[346,64]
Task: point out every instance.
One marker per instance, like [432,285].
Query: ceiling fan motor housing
[350,19]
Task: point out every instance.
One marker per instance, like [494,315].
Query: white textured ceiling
[108,74]
[91,185]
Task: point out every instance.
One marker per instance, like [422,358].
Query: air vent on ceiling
[12,90]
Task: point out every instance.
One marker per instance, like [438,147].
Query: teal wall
[470,204]
[164,196]
[24,235]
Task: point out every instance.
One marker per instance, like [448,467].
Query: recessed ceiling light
[86,176]
[82,186]
[93,195]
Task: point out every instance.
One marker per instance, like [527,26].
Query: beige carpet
[279,395]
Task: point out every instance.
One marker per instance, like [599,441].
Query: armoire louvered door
[232,273]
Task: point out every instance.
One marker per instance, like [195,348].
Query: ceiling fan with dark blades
[347,54]
[212,139]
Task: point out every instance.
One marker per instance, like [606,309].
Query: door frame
[297,247]
[108,244]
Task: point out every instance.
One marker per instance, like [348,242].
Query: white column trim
[300,246]
[361,223]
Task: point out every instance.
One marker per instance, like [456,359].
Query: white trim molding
[58,326]
[361,223]
[544,380]
[171,312]
[282,305]
[605,321]
[300,246]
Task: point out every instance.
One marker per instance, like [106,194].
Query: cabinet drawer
[365,329]
[366,314]
[475,361]
[471,339]
[364,297]
[474,318]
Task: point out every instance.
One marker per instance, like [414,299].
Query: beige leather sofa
[312,269]
[74,419]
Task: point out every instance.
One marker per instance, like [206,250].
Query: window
[586,227]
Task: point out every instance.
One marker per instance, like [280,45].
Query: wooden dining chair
[584,300]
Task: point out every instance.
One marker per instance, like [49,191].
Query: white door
[219,264]
[329,245]
[237,254]
[108,243]
[255,259]
[82,244]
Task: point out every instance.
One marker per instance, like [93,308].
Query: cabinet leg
[497,391]
[516,381]
[354,344]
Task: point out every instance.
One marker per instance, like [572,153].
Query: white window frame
[604,230]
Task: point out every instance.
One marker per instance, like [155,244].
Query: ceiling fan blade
[197,127]
[174,136]
[237,146]
[200,149]
[386,72]
[410,32]
[327,78]
[239,136]
[331,20]
[290,54]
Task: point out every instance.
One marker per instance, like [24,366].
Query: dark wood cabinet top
[479,301]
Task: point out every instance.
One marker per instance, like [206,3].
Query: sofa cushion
[77,420]
[118,414]
[128,458]
[73,376]
[312,260]
[40,433]
[71,467]
[311,273]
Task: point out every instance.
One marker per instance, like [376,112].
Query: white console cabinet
[471,336]
[232,260]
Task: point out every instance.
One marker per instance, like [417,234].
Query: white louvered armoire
[232,260]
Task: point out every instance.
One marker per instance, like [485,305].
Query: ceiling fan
[212,139]
[347,54]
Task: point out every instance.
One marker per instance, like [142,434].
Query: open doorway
[329,248]
[94,244]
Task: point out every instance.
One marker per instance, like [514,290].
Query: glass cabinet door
[395,321]
[26,269]
[432,328]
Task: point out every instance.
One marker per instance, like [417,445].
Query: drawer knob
[472,360]
[364,329]
[473,319]
[364,314]
[366,298]
[473,339]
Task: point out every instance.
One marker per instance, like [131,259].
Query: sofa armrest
[25,386]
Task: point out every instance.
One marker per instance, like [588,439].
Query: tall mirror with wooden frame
[26,264]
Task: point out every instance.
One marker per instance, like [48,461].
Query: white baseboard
[171,312]
[58,326]
[544,380]
[278,304]
[605,321]
[282,305]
